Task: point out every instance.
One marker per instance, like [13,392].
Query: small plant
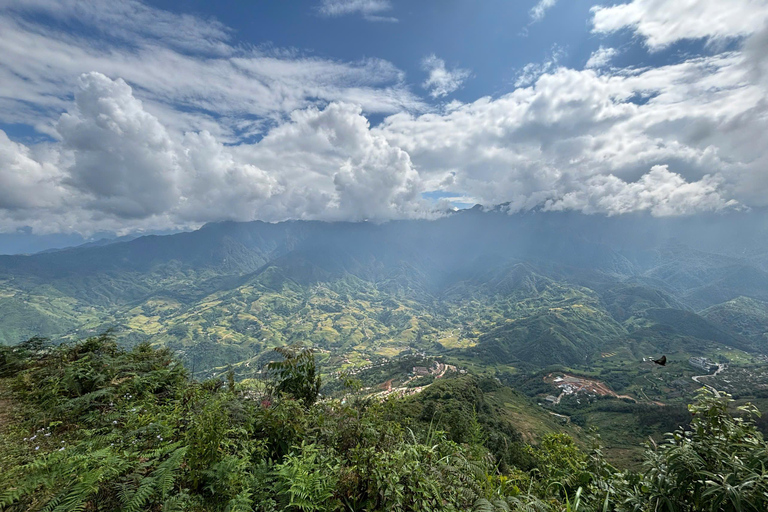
[306,479]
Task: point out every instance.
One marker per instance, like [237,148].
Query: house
[702,363]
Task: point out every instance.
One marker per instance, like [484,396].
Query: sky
[130,117]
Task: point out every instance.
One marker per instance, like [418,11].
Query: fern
[167,471]
[141,496]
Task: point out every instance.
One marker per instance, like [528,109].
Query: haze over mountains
[524,289]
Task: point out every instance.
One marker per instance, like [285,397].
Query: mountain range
[527,290]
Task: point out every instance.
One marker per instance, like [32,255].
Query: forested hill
[579,285]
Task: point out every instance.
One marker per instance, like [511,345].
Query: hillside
[532,289]
[108,429]
[744,317]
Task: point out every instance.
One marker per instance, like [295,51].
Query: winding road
[720,368]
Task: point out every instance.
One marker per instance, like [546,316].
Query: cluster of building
[702,363]
[572,385]
[437,368]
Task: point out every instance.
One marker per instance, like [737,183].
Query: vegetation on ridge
[91,426]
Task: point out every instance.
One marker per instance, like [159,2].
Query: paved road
[720,368]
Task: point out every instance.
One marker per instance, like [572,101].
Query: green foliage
[721,463]
[14,359]
[461,409]
[296,374]
[742,316]
[567,335]
[213,308]
[120,430]
[306,479]
[34,314]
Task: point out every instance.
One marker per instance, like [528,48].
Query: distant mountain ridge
[539,288]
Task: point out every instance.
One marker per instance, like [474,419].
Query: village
[436,370]
[573,385]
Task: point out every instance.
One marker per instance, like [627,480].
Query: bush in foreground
[96,427]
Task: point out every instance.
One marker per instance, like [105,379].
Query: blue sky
[495,39]
[485,36]
[128,117]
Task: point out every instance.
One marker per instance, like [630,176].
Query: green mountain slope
[568,335]
[538,288]
[742,316]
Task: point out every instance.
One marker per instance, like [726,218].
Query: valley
[516,298]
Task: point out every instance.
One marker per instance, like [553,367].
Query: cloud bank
[116,163]
[250,134]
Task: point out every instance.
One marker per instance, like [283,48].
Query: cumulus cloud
[539,10]
[572,140]
[369,9]
[219,186]
[442,81]
[25,183]
[601,57]
[139,148]
[661,23]
[124,158]
[116,163]
[334,167]
[661,192]
[574,135]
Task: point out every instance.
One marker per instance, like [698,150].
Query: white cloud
[332,166]
[39,64]
[140,148]
[442,81]
[531,72]
[661,192]
[574,135]
[126,20]
[219,186]
[117,164]
[369,9]
[539,10]
[124,159]
[572,140]
[534,70]
[601,57]
[662,23]
[25,183]
[756,56]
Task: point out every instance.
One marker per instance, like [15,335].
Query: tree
[296,374]
[720,464]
